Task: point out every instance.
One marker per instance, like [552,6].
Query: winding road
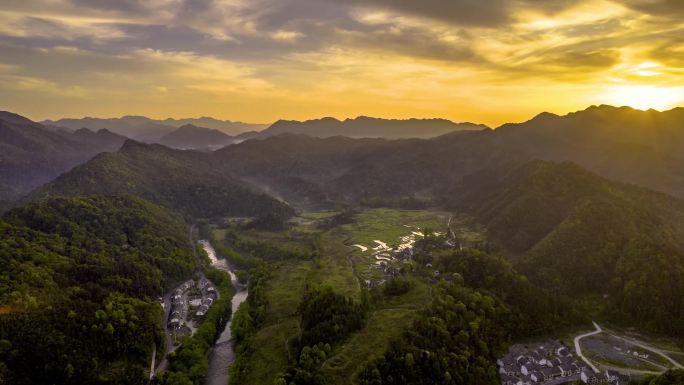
[642,345]
[578,348]
[650,348]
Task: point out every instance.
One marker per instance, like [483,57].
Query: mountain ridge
[193,137]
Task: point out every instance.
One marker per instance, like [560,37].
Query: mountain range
[624,144]
[150,130]
[366,127]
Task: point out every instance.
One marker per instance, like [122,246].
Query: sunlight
[644,97]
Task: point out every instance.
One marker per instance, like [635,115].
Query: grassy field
[388,225]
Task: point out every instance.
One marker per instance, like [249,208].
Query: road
[578,348]
[624,370]
[163,363]
[650,348]
[154,356]
[640,344]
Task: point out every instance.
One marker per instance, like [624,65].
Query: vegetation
[536,310]
[78,288]
[455,341]
[327,318]
[185,181]
[671,377]
[248,318]
[583,236]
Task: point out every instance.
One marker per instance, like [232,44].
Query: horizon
[342,119]
[261,61]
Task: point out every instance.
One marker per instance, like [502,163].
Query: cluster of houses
[630,352]
[609,377]
[179,306]
[181,299]
[550,361]
[209,295]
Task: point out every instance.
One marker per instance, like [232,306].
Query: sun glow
[644,97]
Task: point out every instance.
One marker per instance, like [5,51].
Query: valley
[334,260]
[351,268]
[341,192]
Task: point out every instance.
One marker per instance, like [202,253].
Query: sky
[258,61]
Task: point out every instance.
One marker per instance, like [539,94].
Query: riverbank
[222,355]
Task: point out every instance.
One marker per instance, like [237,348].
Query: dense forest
[537,310]
[78,288]
[582,235]
[327,318]
[455,341]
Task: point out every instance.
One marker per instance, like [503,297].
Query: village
[389,261]
[189,304]
[551,363]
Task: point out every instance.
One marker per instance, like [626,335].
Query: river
[223,353]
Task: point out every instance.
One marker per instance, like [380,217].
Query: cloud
[303,56]
[462,12]
[667,8]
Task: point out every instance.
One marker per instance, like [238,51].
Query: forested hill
[586,235]
[78,288]
[187,181]
[31,154]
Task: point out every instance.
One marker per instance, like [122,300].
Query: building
[589,377]
[566,370]
[508,380]
[536,376]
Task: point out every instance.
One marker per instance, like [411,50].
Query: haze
[261,60]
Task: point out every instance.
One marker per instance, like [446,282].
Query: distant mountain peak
[546,115]
[83,130]
[130,146]
[189,127]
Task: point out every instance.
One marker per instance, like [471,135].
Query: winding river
[223,354]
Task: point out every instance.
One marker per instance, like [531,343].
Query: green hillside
[586,235]
[78,288]
[186,181]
